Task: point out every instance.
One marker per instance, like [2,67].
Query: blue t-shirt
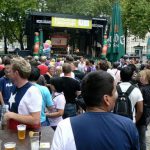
[6,87]
[104,131]
[47,100]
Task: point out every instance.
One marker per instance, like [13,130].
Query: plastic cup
[21,131]
[10,146]
[35,142]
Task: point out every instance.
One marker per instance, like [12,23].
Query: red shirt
[2,67]
[43,69]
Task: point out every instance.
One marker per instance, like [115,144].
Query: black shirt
[145,119]
[70,87]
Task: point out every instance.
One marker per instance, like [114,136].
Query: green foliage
[136,14]
[12,18]
[80,7]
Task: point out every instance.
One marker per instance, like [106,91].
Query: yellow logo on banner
[71,23]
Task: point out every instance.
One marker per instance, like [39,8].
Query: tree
[13,19]
[80,7]
[136,14]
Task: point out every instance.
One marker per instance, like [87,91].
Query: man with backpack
[130,100]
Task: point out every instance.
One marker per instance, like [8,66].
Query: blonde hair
[58,70]
[22,66]
[146,73]
[43,58]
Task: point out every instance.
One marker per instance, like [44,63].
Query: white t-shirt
[135,96]
[81,67]
[63,137]
[59,103]
[31,101]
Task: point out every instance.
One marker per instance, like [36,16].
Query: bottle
[3,111]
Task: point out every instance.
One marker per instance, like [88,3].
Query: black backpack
[80,102]
[123,104]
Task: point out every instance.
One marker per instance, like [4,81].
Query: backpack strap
[116,72]
[56,96]
[129,90]
[118,89]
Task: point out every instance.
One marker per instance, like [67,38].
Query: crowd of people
[43,92]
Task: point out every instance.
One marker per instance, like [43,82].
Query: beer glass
[10,146]
[21,131]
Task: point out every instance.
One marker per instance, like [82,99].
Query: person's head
[87,62]
[69,59]
[52,62]
[33,62]
[115,65]
[147,66]
[58,70]
[51,70]
[20,67]
[133,67]
[144,76]
[66,68]
[43,59]
[98,90]
[103,65]
[126,74]
[6,60]
[74,65]
[7,67]
[56,84]
[34,75]
[82,59]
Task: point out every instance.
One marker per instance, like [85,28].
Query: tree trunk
[126,39]
[5,45]
[21,45]
[21,42]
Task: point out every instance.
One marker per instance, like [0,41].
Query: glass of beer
[10,146]
[21,131]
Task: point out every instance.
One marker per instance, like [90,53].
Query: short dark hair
[103,65]
[76,64]
[95,85]
[6,60]
[66,68]
[115,64]
[133,67]
[35,74]
[126,74]
[69,59]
